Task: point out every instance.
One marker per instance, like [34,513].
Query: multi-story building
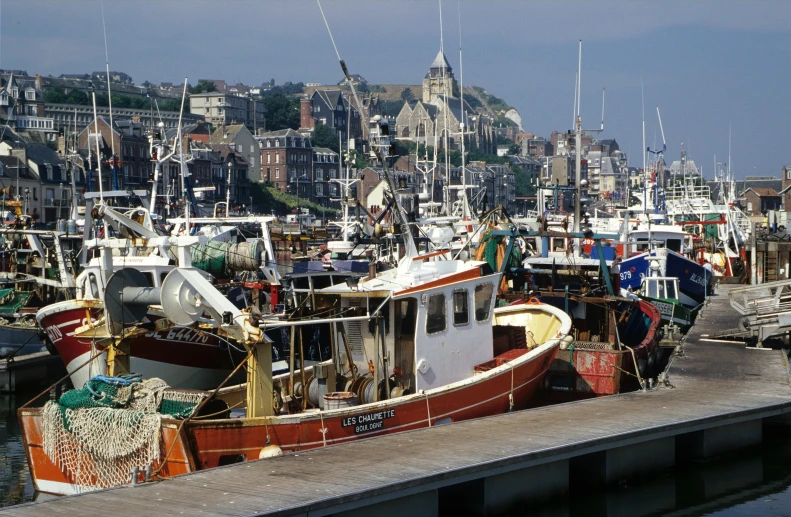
[22,105]
[537,147]
[202,170]
[231,174]
[287,161]
[244,143]
[530,166]
[42,177]
[64,116]
[332,109]
[221,108]
[132,159]
[326,170]
[503,187]
[25,185]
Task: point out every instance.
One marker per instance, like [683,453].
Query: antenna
[579,80]
[730,128]
[574,111]
[603,91]
[664,144]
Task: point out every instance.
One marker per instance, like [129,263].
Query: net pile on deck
[11,300]
[219,258]
[99,434]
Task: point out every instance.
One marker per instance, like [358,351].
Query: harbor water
[15,484]
[753,483]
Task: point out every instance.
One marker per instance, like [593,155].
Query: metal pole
[753,257]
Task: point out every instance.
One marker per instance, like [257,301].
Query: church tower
[439,81]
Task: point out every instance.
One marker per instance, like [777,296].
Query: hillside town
[299,139]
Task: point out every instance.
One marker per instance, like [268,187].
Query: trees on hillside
[203,86]
[324,136]
[282,111]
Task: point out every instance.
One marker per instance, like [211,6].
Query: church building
[436,119]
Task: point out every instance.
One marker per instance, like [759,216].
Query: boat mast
[578,151]
[182,165]
[109,101]
[409,242]
[645,152]
[98,151]
[465,209]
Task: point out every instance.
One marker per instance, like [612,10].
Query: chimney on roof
[38,82]
[306,114]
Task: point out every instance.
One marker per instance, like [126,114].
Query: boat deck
[711,384]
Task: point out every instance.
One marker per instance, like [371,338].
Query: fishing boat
[615,348]
[191,358]
[663,293]
[427,349]
[694,280]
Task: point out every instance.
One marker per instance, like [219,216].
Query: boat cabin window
[149,278]
[162,277]
[642,245]
[461,310]
[94,285]
[483,301]
[671,289]
[650,290]
[435,316]
[673,245]
[660,288]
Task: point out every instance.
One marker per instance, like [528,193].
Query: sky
[713,68]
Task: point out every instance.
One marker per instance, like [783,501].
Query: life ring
[533,301]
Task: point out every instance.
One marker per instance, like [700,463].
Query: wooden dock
[717,397]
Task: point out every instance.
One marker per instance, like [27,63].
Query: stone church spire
[439,81]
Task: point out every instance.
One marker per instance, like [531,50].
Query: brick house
[757,201]
[287,162]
